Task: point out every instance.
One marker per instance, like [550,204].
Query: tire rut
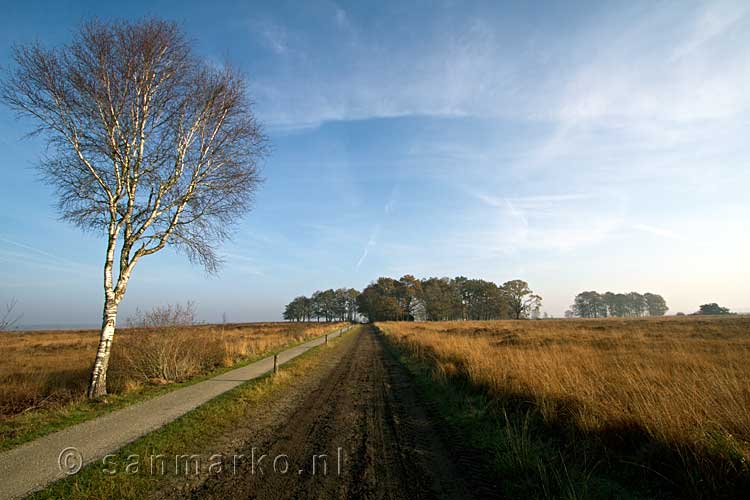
[380,439]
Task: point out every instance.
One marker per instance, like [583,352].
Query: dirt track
[380,438]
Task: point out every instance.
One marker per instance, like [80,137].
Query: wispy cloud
[531,202]
[274,36]
[341,18]
[658,231]
[244,264]
[662,65]
[24,254]
[715,19]
[371,242]
[390,205]
[556,222]
[668,66]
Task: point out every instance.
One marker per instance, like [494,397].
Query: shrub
[167,356]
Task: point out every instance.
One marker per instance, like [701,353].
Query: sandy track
[380,438]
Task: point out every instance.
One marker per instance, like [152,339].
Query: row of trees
[330,305]
[595,305]
[443,299]
[409,299]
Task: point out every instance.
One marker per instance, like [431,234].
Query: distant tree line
[410,299]
[595,305]
[329,305]
[712,309]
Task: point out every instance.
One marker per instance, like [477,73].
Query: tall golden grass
[46,369]
[683,382]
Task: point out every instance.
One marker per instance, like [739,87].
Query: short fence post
[326,338]
[275,363]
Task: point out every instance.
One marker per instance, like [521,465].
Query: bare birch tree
[148,145]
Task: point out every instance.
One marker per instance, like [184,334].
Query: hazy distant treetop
[592,304]
[712,309]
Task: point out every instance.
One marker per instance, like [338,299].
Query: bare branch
[8,317]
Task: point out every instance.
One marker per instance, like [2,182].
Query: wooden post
[326,338]
[275,363]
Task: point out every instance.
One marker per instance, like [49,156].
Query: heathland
[44,374]
[597,408]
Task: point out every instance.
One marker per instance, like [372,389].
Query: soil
[355,427]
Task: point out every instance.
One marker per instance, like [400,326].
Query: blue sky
[587,145]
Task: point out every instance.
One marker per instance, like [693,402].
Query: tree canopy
[713,308]
[329,305]
[430,299]
[592,304]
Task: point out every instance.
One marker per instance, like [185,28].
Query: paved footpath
[34,465]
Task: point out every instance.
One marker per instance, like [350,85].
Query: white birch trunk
[98,383]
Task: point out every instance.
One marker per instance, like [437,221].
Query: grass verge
[530,459]
[181,437]
[596,409]
[26,427]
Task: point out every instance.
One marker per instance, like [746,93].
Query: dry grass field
[669,396]
[48,369]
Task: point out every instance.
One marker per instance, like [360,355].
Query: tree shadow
[550,454]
